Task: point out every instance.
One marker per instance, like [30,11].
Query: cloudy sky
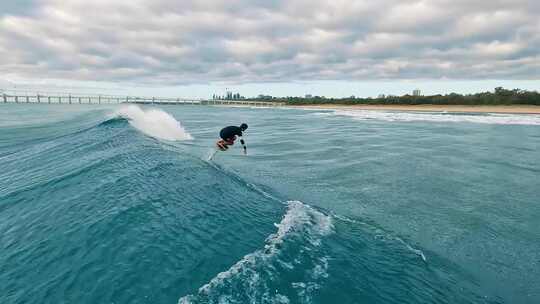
[291,47]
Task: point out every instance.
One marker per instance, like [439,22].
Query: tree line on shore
[499,96]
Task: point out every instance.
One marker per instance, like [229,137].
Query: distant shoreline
[513,109]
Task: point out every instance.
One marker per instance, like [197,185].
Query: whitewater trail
[154,123]
[257,276]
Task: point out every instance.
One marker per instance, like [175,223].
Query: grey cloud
[172,42]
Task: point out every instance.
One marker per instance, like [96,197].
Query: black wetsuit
[229,132]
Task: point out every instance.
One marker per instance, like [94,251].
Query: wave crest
[153,122]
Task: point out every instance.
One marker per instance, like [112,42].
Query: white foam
[299,218]
[299,214]
[264,107]
[502,119]
[154,122]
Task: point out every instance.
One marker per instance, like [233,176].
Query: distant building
[309,96]
[238,96]
[382,96]
[261,96]
[416,92]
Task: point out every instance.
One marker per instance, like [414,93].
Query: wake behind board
[211,154]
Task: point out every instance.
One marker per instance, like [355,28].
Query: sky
[196,48]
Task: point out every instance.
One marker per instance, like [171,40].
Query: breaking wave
[154,122]
[262,276]
[484,118]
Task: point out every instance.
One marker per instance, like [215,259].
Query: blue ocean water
[129,204]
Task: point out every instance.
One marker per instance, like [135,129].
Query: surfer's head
[243,126]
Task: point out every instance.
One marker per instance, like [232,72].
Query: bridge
[59,98]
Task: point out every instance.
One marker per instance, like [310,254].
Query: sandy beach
[514,109]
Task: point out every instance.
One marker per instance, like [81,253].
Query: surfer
[228,136]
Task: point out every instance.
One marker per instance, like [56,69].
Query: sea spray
[154,122]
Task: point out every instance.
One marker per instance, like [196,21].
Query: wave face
[154,122]
[441,117]
[114,204]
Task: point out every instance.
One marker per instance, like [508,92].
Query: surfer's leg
[222,145]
